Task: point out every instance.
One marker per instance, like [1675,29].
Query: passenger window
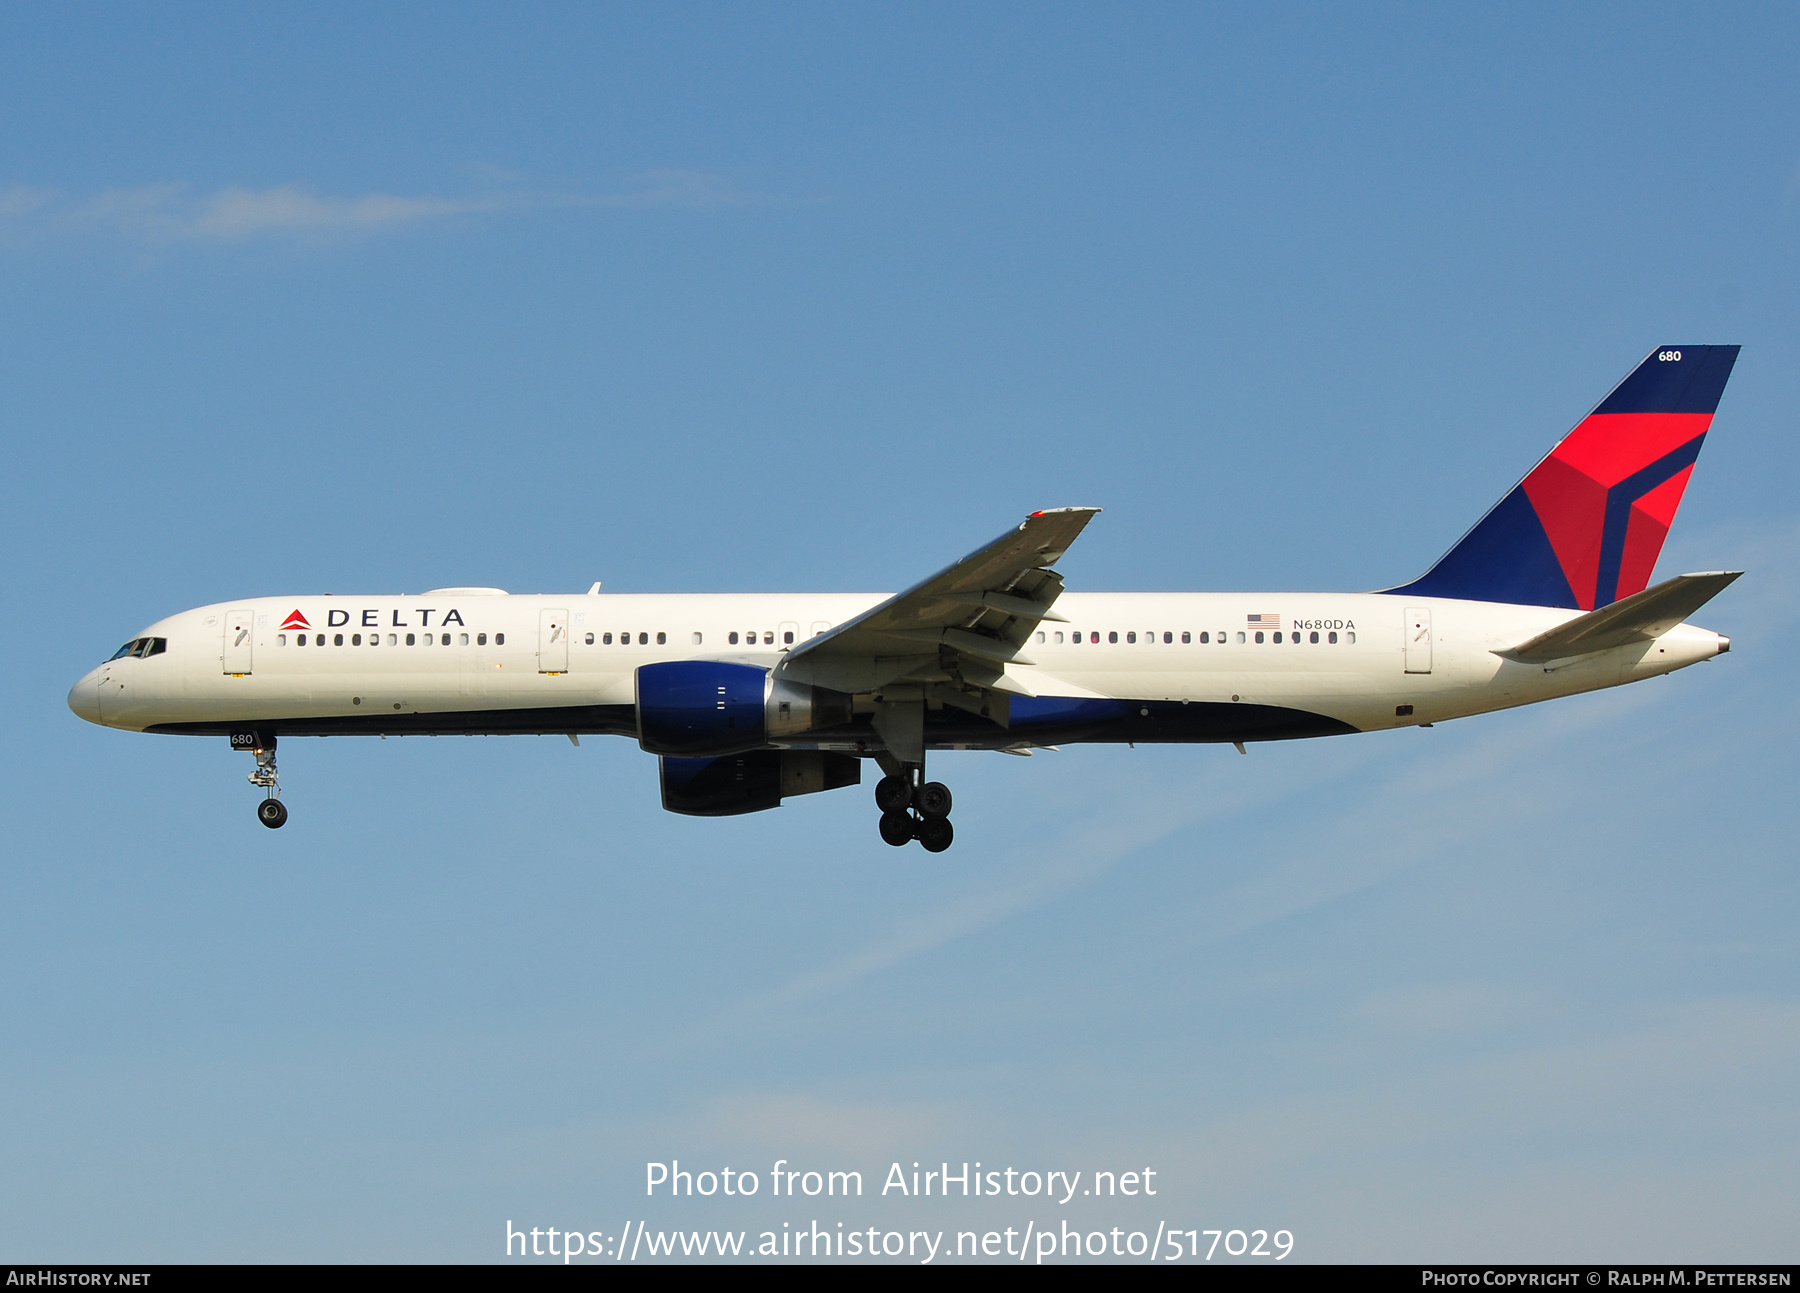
[280,640]
[393,639]
[481,639]
[1331,638]
[1259,636]
[1059,638]
[662,639]
[411,640]
[1112,637]
[1312,637]
[1349,639]
[1204,638]
[1295,638]
[731,637]
[1129,637]
[1277,639]
[356,639]
[337,639]
[499,639]
[643,639]
[445,640]
[1170,637]
[787,637]
[768,637]
[1094,638]
[299,639]
[462,639]
[590,639]
[696,639]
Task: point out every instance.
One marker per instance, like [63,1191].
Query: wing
[961,632]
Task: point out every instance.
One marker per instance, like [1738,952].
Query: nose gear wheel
[271,812]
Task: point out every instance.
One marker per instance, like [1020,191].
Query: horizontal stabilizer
[1638,618]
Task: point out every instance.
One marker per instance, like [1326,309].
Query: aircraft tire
[936,834]
[934,799]
[271,813]
[897,828]
[893,794]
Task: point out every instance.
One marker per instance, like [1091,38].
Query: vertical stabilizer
[1584,528]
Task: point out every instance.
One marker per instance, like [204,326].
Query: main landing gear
[271,812]
[914,809]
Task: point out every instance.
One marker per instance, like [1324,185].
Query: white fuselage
[375,661]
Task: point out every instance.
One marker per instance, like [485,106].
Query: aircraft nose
[84,698]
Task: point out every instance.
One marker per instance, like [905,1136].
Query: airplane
[748,700]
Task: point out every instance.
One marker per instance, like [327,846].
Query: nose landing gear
[914,809]
[271,812]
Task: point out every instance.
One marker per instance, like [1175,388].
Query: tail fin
[1584,528]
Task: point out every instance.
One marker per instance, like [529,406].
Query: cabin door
[1418,639]
[553,641]
[240,636]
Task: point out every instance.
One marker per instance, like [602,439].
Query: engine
[707,708]
[752,781]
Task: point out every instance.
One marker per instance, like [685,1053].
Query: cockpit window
[141,648]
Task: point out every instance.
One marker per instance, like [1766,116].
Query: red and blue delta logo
[1585,527]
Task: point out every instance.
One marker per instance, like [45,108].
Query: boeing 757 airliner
[748,700]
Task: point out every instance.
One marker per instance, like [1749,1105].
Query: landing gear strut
[271,812]
[914,809]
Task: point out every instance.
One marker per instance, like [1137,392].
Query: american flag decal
[1263,621]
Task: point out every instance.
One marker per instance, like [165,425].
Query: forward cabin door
[1418,639]
[240,635]
[553,641]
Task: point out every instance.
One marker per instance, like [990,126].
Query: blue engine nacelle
[752,781]
[701,707]
[707,708]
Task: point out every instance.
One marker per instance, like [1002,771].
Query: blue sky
[318,298]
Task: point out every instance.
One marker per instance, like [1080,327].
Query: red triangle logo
[295,621]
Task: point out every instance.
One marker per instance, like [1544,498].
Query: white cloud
[172,212]
[21,200]
[794,1122]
